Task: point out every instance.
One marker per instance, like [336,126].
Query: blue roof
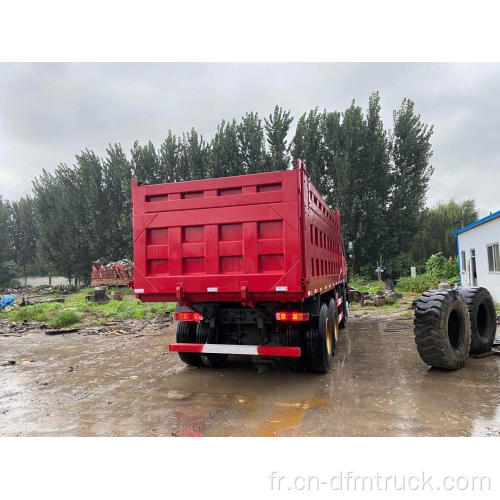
[476,223]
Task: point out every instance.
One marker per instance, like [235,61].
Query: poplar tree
[145,163]
[411,151]
[225,157]
[277,126]
[23,232]
[307,145]
[117,219]
[169,159]
[252,143]
[193,157]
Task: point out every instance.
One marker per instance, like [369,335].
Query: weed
[128,308]
[363,285]
[64,318]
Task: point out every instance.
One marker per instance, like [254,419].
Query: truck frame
[256,264]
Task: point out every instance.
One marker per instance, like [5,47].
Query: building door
[473,271]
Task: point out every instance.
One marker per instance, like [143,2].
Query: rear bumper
[249,350]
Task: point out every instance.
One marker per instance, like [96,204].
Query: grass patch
[419,284]
[125,290]
[363,285]
[392,307]
[64,318]
[75,308]
[36,312]
[130,309]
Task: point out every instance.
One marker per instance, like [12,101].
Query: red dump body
[266,237]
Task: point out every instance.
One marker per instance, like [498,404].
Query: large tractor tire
[334,322]
[213,360]
[319,342]
[442,329]
[186,333]
[482,318]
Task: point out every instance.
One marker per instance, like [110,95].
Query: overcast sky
[49,112]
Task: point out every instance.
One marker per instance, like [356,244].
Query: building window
[493,258]
[462,259]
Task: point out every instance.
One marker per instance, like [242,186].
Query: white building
[479,254]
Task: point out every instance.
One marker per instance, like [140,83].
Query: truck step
[251,350]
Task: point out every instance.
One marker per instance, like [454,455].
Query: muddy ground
[114,383]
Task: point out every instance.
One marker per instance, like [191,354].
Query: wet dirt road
[129,385]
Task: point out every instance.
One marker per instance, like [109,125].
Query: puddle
[288,415]
[104,385]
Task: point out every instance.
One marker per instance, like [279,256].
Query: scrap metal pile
[112,273]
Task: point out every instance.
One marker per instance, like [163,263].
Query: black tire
[345,308]
[333,311]
[318,344]
[186,333]
[212,360]
[482,318]
[293,337]
[442,329]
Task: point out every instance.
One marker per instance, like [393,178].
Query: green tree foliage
[436,224]
[377,179]
[7,265]
[58,207]
[252,145]
[350,191]
[437,268]
[193,157]
[117,210]
[335,175]
[277,126]
[443,268]
[23,231]
[410,171]
[225,157]
[169,159]
[145,163]
[307,145]
[5,231]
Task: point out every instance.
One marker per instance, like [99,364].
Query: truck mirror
[350,247]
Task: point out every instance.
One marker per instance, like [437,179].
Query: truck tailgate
[232,238]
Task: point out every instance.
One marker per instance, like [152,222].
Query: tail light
[188,316]
[292,316]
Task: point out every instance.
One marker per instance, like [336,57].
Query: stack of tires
[450,324]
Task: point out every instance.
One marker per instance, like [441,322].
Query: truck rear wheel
[319,342]
[186,333]
[442,329]
[482,318]
[202,336]
[345,308]
[293,338]
[334,322]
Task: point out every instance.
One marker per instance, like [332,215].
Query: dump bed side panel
[324,261]
[219,239]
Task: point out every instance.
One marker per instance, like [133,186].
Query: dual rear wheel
[318,339]
[197,333]
[322,338]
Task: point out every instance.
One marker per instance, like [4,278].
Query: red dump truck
[255,262]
